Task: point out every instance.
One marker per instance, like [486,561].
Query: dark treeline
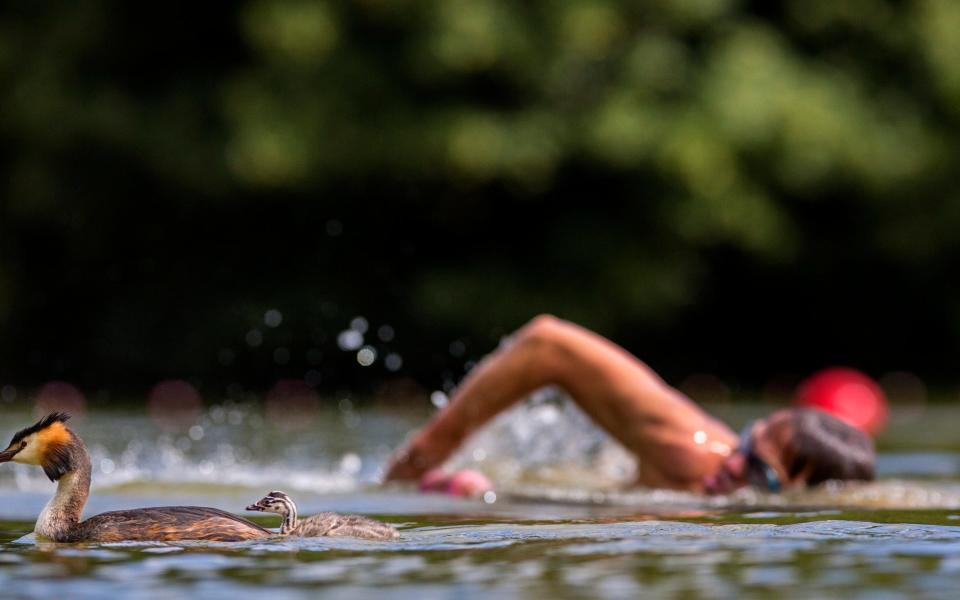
[216,191]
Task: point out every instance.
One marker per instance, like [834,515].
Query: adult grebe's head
[47,443]
[275,502]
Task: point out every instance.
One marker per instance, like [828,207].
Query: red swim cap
[847,394]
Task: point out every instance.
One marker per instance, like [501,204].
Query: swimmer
[678,445]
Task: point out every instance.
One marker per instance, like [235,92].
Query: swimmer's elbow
[541,329]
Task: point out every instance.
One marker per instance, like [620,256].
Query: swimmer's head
[793,448]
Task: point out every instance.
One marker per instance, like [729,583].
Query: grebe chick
[63,456]
[322,524]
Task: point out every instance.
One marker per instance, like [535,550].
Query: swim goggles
[759,473]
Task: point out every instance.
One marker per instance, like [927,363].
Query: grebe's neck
[62,514]
[289,516]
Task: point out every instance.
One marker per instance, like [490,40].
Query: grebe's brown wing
[168,523]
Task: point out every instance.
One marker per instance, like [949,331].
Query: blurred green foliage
[719,171]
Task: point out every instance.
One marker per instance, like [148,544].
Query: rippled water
[562,524]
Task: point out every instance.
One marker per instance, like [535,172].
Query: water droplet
[448,383]
[359,324]
[366,356]
[59,395]
[281,356]
[272,318]
[196,432]
[350,463]
[386,333]
[349,339]
[107,466]
[313,378]
[8,393]
[393,361]
[700,437]
[218,414]
[254,338]
[438,399]
[489,496]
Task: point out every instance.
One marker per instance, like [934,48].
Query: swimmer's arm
[620,393]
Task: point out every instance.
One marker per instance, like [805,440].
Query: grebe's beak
[255,508]
[8,454]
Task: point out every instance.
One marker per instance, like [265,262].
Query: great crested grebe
[63,456]
[322,524]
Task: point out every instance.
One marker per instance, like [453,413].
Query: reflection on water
[833,557]
[563,524]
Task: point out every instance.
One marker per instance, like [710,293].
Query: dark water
[561,525]
[458,557]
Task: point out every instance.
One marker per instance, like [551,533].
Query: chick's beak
[255,508]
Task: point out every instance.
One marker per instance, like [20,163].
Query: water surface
[563,522]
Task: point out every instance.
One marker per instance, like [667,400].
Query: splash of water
[548,449]
[544,450]
[547,441]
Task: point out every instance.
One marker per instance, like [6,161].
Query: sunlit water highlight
[564,522]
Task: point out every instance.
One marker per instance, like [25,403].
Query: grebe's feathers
[169,523]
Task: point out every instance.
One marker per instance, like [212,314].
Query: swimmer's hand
[424,452]
[465,483]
